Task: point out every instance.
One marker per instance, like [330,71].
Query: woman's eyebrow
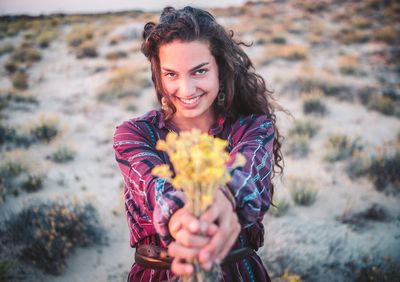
[192,69]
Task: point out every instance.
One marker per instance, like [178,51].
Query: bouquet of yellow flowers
[200,164]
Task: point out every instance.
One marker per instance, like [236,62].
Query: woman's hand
[186,230]
[220,212]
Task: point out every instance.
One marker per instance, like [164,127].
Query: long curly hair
[245,91]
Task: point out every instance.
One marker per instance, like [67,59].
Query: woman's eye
[170,74]
[201,71]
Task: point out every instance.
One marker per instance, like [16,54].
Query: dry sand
[309,241]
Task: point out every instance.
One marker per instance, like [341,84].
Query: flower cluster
[200,163]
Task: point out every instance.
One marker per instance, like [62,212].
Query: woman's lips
[190,103]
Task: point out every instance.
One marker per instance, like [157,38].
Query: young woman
[203,80]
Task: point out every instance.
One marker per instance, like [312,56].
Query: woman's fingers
[183,219]
[176,250]
[188,239]
[181,268]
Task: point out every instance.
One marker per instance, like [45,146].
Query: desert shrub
[10,138]
[63,154]
[45,129]
[303,191]
[360,22]
[124,82]
[360,220]
[79,35]
[384,171]
[116,55]
[278,39]
[86,50]
[11,66]
[45,234]
[280,208]
[45,38]
[299,137]
[33,182]
[383,104]
[329,86]
[26,55]
[298,146]
[339,147]
[20,80]
[312,103]
[293,52]
[387,34]
[6,268]
[382,270]
[349,65]
[357,165]
[6,48]
[351,36]
[115,39]
[306,128]
[11,168]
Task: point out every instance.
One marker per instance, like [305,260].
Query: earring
[221,97]
[164,104]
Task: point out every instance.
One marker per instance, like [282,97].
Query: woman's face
[189,74]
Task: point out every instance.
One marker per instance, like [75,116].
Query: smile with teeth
[190,101]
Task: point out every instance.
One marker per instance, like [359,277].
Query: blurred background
[72,71]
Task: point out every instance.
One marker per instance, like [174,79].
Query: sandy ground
[308,241]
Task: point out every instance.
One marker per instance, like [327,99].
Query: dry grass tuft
[124,82]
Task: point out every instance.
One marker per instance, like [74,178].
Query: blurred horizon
[48,7]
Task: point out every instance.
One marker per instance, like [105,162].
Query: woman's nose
[187,88]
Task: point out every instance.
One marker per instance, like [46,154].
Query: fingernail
[206,256]
[188,269]
[175,225]
[193,226]
[204,226]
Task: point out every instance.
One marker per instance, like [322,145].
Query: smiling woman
[203,80]
[191,83]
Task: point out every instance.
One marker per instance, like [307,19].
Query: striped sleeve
[149,200]
[252,136]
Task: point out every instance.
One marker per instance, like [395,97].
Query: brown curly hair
[245,91]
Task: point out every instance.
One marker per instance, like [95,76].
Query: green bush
[339,147]
[11,139]
[384,171]
[116,55]
[45,234]
[383,104]
[45,38]
[298,146]
[79,35]
[86,50]
[63,154]
[46,129]
[6,48]
[280,208]
[26,55]
[6,268]
[302,191]
[306,128]
[11,169]
[20,80]
[11,66]
[33,182]
[312,103]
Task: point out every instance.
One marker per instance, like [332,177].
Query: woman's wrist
[228,194]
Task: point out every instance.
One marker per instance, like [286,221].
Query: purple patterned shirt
[150,201]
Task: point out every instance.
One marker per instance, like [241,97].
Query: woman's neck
[202,123]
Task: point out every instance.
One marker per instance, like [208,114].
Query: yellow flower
[199,161]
